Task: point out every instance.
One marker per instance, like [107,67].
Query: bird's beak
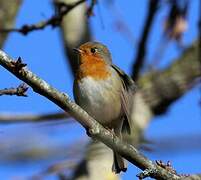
[77,50]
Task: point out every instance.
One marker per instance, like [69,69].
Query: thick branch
[95,129]
[161,88]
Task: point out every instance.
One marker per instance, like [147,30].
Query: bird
[105,92]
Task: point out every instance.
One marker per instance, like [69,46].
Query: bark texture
[161,88]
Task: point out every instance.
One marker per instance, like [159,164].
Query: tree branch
[19,91]
[139,60]
[54,21]
[96,130]
[91,7]
[20,118]
[193,177]
[162,88]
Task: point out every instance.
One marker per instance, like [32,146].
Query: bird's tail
[119,163]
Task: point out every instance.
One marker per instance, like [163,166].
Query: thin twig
[19,91]
[54,21]
[21,118]
[91,7]
[142,47]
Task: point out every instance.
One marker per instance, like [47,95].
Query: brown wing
[128,90]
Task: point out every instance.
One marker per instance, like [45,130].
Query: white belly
[101,99]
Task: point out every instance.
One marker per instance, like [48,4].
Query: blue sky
[43,52]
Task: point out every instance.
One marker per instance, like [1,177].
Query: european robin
[104,91]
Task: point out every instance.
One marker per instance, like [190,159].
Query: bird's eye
[94,50]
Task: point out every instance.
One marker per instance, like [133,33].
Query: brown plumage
[104,91]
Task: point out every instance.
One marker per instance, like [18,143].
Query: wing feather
[127,92]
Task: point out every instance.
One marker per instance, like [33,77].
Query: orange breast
[92,66]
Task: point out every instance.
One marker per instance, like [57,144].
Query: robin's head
[94,59]
[94,51]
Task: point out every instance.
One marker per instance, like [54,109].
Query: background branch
[75,31]
[161,88]
[142,47]
[20,118]
[54,21]
[91,7]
